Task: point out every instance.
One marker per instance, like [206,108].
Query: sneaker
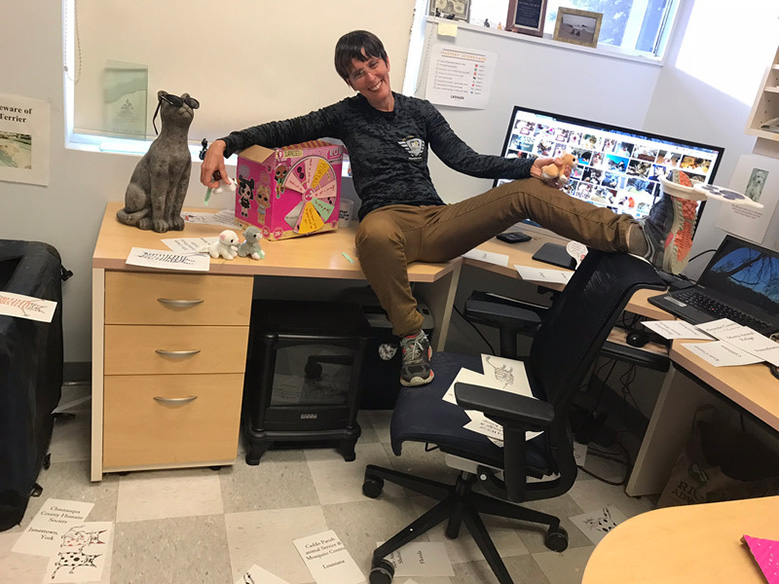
[417,352]
[669,227]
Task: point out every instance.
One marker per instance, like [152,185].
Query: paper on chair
[27,307]
[545,275]
[675,329]
[158,258]
[328,560]
[257,575]
[721,354]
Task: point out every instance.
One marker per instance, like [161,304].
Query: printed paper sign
[24,139]
[26,307]
[81,554]
[499,259]
[421,558]
[675,329]
[327,559]
[189,244]
[158,258]
[44,534]
[544,276]
[597,524]
[256,575]
[722,354]
[224,218]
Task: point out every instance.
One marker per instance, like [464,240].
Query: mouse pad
[555,254]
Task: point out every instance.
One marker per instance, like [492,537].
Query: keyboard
[718,309]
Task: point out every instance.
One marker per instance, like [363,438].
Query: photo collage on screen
[613,169]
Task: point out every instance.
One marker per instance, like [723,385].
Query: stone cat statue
[158,185]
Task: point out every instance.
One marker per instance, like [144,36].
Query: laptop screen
[744,272]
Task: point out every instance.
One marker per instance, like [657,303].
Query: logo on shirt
[414,146]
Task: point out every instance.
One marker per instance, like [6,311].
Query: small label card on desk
[549,276]
[327,559]
[44,533]
[158,258]
[26,307]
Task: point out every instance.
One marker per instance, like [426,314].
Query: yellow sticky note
[447,29]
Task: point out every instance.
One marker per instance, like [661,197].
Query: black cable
[697,255]
[492,349]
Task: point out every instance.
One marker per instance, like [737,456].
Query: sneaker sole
[417,381]
[679,241]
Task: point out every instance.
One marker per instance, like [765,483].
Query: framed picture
[526,17]
[451,9]
[578,27]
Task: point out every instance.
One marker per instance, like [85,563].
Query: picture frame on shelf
[578,27]
[451,9]
[526,17]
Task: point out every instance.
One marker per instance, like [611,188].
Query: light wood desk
[686,545]
[169,347]
[751,387]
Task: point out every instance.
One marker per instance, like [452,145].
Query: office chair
[563,350]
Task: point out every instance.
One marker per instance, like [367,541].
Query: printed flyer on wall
[24,139]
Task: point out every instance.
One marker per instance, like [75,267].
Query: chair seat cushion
[421,415]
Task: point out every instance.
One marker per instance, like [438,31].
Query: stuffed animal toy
[251,246]
[226,246]
[553,171]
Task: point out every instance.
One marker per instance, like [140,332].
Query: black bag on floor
[31,361]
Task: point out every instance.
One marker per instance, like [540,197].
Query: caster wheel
[556,540]
[372,488]
[383,573]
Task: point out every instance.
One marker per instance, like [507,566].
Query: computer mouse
[637,338]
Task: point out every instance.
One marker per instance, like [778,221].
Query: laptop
[741,282]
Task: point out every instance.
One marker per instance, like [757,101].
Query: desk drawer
[143,431]
[137,350]
[143,298]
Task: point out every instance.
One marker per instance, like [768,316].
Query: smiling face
[371,79]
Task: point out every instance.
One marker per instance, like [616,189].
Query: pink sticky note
[766,554]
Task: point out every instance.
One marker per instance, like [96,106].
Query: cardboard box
[290,191]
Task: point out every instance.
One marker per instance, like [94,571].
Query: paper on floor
[82,553]
[421,558]
[257,575]
[44,533]
[328,560]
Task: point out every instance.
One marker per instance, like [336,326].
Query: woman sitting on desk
[402,218]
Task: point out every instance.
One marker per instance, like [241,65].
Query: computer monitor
[615,167]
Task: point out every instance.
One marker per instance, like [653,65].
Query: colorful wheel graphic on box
[314,179]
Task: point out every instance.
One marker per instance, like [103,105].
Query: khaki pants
[392,237]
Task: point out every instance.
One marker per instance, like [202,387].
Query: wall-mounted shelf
[766,105]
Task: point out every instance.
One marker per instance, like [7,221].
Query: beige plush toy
[553,171]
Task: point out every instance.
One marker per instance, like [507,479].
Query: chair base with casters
[537,441]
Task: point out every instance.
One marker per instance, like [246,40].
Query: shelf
[766,106]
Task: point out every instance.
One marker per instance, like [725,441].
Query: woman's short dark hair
[351,46]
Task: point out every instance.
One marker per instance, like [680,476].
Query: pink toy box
[290,191]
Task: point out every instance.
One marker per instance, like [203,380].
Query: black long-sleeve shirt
[388,150]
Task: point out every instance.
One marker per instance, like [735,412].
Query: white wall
[67,213]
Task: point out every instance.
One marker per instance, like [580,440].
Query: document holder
[555,254]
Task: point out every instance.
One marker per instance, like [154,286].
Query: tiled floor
[205,526]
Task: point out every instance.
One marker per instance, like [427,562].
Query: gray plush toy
[251,246]
[158,185]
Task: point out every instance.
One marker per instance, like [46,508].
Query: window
[633,27]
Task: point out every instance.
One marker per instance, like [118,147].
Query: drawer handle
[179,303]
[177,354]
[175,400]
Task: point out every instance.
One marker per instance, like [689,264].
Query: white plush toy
[251,246]
[226,246]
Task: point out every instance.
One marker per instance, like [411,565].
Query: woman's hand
[564,170]
[212,170]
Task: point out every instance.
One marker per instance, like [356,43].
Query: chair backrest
[578,323]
